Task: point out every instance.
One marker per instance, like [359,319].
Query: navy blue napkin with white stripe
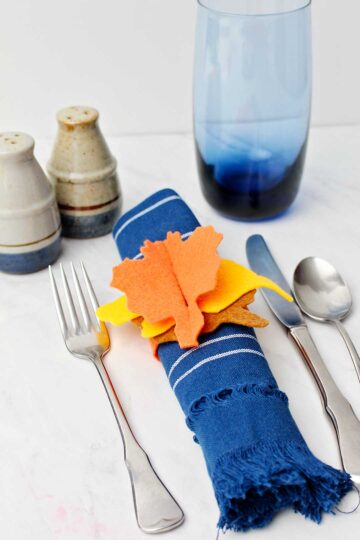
[255,455]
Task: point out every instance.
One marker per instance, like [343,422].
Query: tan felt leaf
[236,313]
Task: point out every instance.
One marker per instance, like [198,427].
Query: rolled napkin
[255,455]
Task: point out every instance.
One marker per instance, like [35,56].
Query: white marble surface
[61,468]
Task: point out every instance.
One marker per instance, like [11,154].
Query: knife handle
[346,424]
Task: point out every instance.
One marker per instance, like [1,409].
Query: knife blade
[339,410]
[262,262]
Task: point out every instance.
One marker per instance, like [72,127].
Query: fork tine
[91,293]
[58,306]
[70,303]
[81,298]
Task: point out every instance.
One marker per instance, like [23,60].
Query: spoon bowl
[322,294]
[320,290]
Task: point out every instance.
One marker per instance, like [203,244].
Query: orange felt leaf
[168,281]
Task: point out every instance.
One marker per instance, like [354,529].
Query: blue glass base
[31,261]
[246,195]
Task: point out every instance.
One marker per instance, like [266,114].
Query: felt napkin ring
[182,288]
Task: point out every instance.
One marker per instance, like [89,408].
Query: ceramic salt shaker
[84,174]
[29,216]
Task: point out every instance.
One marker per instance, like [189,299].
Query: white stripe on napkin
[185,235]
[209,342]
[143,212]
[211,359]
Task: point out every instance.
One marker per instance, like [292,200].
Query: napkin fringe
[223,397]
[252,484]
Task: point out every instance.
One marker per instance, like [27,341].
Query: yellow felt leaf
[149,330]
[233,281]
[103,336]
[116,312]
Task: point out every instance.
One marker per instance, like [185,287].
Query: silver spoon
[323,295]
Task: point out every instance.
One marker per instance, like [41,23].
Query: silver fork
[85,337]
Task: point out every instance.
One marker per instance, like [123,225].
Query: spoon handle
[344,420]
[351,347]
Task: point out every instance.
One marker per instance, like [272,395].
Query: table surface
[61,458]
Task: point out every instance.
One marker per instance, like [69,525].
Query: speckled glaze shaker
[29,216]
[84,174]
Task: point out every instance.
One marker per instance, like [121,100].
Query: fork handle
[155,508]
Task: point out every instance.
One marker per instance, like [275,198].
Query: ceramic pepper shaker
[84,174]
[29,216]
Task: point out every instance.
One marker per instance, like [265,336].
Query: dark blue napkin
[255,455]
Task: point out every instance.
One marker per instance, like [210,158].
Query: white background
[132,59]
[61,469]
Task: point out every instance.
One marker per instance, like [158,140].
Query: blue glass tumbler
[252,98]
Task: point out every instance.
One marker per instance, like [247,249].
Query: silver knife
[342,416]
